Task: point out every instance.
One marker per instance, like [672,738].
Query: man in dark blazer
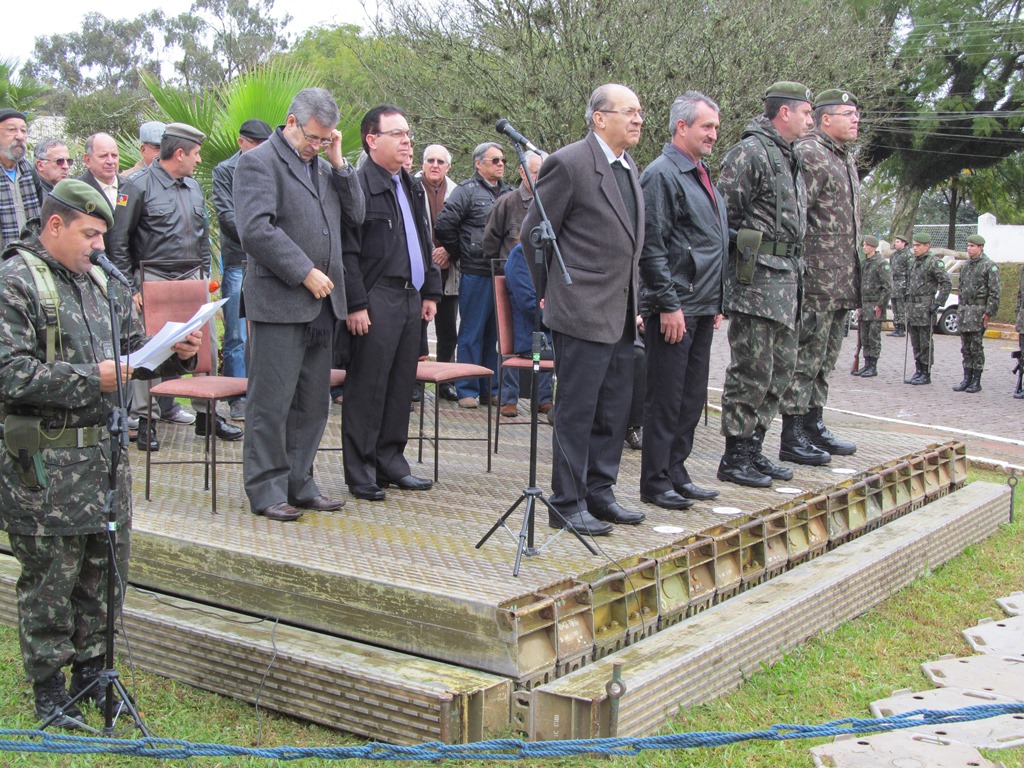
[290,207]
[101,164]
[591,192]
[392,286]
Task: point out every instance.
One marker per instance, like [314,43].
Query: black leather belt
[396,282]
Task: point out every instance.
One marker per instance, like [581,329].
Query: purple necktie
[412,239]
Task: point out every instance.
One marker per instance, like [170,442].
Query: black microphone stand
[544,241]
[107,679]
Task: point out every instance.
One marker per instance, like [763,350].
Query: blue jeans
[235,334]
[510,386]
[478,334]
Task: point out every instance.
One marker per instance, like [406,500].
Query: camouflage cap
[787,89]
[924,238]
[83,197]
[976,240]
[834,97]
[151,132]
[254,129]
[185,131]
[871,240]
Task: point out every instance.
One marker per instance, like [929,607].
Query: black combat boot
[795,446]
[735,466]
[147,439]
[1018,393]
[820,437]
[762,463]
[870,368]
[924,378]
[82,676]
[52,700]
[975,385]
[968,375]
[916,378]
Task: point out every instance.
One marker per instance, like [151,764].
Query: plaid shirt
[30,197]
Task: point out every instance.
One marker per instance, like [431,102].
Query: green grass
[832,676]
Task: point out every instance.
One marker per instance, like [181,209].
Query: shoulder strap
[775,157]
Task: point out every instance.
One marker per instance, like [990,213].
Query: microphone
[99,258]
[503,126]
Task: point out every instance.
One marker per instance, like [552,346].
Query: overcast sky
[25,21]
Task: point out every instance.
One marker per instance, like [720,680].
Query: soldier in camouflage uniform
[928,288]
[875,289]
[831,284]
[766,200]
[1019,389]
[57,389]
[979,300]
[900,261]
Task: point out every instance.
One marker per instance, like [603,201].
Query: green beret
[976,239]
[904,238]
[786,89]
[924,238]
[185,131]
[83,197]
[871,240]
[834,97]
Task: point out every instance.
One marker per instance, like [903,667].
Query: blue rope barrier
[495,749]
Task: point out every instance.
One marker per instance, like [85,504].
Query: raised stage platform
[379,588]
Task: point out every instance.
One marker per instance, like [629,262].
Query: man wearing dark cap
[58,397]
[979,301]
[831,280]
[766,199]
[250,135]
[20,192]
[928,287]
[875,288]
[900,261]
[150,136]
[160,223]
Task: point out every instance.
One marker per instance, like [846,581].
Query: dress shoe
[147,439]
[545,408]
[417,396]
[320,504]
[691,491]
[225,431]
[666,500]
[448,392]
[615,513]
[368,492]
[635,438]
[408,483]
[582,522]
[282,511]
[509,410]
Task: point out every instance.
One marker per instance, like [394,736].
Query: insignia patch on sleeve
[122,199]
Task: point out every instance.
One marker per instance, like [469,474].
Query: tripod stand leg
[501,521]
[567,527]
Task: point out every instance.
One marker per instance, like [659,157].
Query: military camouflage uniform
[831,283]
[58,532]
[762,315]
[979,296]
[900,263]
[875,289]
[928,288]
[1019,391]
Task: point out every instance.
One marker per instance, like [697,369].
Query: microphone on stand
[504,127]
[99,258]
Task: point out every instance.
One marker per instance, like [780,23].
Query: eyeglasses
[63,162]
[495,160]
[315,139]
[436,161]
[851,114]
[397,133]
[630,113]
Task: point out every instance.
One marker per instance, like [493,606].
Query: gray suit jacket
[601,250]
[286,229]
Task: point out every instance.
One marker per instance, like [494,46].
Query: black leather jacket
[460,224]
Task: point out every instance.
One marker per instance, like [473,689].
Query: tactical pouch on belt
[22,438]
[747,243]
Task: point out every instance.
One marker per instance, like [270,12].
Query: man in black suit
[391,286]
[591,192]
[101,164]
[290,207]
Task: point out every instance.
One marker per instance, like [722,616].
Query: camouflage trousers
[763,356]
[62,594]
[870,336]
[899,312]
[820,339]
[921,341]
[972,349]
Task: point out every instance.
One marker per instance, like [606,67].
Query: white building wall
[1003,242]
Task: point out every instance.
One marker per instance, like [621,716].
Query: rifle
[855,368]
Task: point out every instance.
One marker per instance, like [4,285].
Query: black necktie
[622,178]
